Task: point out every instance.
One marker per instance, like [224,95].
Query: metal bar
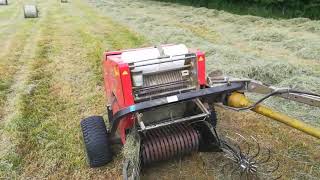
[169,122]
[201,106]
[257,87]
[160,88]
[146,105]
[160,85]
[227,80]
[188,55]
[205,113]
[131,66]
[138,99]
[166,70]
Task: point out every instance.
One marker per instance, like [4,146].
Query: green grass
[269,9]
[114,37]
[43,140]
[45,135]
[26,129]
[240,46]
[10,61]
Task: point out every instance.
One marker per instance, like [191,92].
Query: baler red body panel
[117,81]
[118,85]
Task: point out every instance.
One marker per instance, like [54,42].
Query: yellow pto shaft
[239,100]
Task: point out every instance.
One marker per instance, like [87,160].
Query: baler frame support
[143,106]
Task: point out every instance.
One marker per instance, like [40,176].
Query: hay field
[284,53]
[278,52]
[50,78]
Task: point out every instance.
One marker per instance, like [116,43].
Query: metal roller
[165,143]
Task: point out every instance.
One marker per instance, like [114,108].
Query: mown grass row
[46,132]
[10,60]
[34,108]
[7,12]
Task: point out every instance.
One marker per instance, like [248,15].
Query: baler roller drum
[162,78]
[155,85]
[168,142]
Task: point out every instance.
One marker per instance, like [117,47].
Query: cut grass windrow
[66,78]
[10,59]
[13,131]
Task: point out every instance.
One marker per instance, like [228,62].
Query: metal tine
[241,174]
[268,173]
[232,159]
[234,170]
[239,148]
[253,171]
[247,176]
[275,169]
[238,153]
[224,166]
[246,142]
[255,174]
[258,152]
[266,160]
[232,152]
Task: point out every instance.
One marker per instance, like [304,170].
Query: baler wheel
[96,141]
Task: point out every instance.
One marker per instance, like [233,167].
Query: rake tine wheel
[245,165]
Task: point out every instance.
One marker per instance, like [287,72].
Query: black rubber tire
[96,141]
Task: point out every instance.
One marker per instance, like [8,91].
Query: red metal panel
[201,67]
[128,98]
[118,87]
[107,76]
[126,84]
[113,84]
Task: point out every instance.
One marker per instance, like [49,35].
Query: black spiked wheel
[96,141]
